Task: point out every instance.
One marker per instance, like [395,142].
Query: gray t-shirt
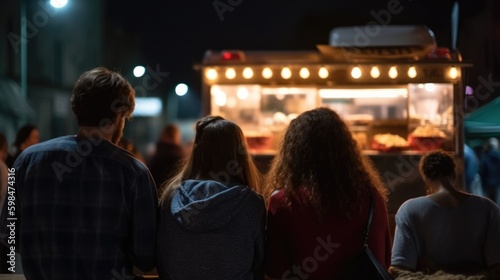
[467,233]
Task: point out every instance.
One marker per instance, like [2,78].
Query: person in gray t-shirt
[449,229]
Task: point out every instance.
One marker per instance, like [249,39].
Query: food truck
[398,92]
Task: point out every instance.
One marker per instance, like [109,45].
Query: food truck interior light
[393,73]
[220,96]
[247,73]
[363,93]
[323,73]
[284,90]
[430,87]
[304,73]
[453,73]
[211,74]
[286,73]
[356,73]
[242,93]
[267,73]
[412,72]
[230,73]
[375,73]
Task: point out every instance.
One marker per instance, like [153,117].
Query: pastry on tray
[426,138]
[389,143]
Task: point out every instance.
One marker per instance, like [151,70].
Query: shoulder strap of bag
[370,216]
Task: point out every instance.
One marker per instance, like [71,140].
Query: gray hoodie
[211,231]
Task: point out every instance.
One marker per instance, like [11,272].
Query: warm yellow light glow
[242,93]
[375,73]
[412,72]
[453,73]
[393,72]
[230,73]
[267,73]
[323,73]
[430,87]
[247,73]
[286,73]
[363,93]
[211,74]
[220,98]
[356,73]
[304,73]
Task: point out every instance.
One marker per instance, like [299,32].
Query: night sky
[175,34]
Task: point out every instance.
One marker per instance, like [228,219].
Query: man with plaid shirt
[83,207]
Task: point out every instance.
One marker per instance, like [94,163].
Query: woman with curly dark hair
[322,187]
[448,229]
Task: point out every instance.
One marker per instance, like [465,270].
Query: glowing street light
[58,3]
[139,71]
[181,89]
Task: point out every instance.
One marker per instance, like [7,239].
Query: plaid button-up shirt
[84,209]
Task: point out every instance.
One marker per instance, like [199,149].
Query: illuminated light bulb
[242,93]
[453,73]
[356,73]
[323,73]
[267,73]
[286,73]
[375,73]
[211,74]
[247,73]
[393,72]
[230,73]
[304,73]
[412,72]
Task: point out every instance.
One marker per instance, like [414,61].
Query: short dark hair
[101,94]
[436,165]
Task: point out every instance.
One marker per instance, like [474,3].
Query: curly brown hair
[319,154]
[437,165]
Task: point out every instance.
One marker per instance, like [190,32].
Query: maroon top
[299,246]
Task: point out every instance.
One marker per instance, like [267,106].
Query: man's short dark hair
[101,94]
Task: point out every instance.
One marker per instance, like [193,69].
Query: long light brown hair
[319,155]
[220,154]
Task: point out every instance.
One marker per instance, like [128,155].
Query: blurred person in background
[322,188]
[26,136]
[471,168]
[448,230]
[168,157]
[89,208]
[490,170]
[212,219]
[128,145]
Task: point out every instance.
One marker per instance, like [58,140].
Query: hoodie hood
[207,205]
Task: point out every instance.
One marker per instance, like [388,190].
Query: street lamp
[139,71]
[181,89]
[58,3]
